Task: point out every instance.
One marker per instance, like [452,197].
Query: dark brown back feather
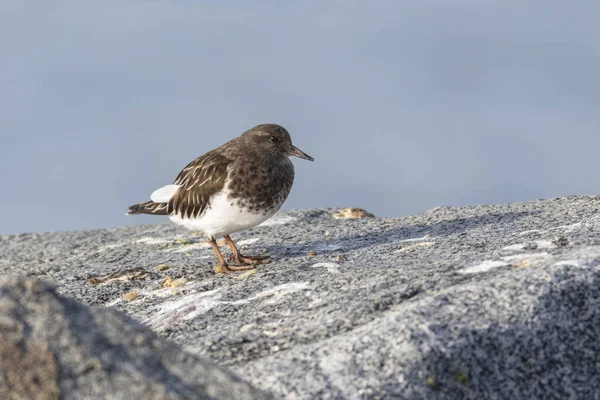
[199,181]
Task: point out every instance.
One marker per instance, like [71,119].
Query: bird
[234,187]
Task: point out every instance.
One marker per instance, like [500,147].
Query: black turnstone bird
[231,188]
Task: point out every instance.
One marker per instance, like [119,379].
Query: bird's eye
[273,139]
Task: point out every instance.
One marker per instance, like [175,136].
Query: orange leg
[223,266]
[245,260]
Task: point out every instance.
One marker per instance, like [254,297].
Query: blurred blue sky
[405,105]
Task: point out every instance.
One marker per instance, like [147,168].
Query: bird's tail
[149,207]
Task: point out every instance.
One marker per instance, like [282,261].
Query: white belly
[222,218]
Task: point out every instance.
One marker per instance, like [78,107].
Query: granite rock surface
[53,347]
[475,302]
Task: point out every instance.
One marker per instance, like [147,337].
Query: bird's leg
[241,259]
[223,266]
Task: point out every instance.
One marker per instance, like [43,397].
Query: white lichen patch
[570,263]
[517,260]
[484,266]
[275,294]
[515,247]
[185,308]
[544,244]
[188,247]
[190,306]
[568,228]
[530,231]
[151,240]
[111,246]
[329,247]
[564,228]
[419,239]
[246,242]
[535,257]
[538,244]
[114,302]
[315,303]
[415,246]
[279,219]
[332,268]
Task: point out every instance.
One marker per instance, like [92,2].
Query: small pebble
[179,282]
[560,241]
[352,213]
[130,296]
[246,274]
[173,283]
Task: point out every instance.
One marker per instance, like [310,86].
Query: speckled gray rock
[52,347]
[475,302]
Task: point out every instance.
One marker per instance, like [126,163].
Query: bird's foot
[250,260]
[222,269]
[227,268]
[240,267]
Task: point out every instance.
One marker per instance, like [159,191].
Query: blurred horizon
[405,106]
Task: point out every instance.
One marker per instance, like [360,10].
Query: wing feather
[198,182]
[164,194]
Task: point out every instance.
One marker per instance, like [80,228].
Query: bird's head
[273,139]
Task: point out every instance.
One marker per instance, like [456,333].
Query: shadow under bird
[232,188]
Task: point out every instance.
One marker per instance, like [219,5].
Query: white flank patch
[224,217]
[483,267]
[164,194]
[332,268]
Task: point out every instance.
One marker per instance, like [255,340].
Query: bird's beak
[296,152]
